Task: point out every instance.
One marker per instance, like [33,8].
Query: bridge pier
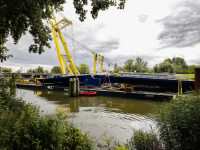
[74,87]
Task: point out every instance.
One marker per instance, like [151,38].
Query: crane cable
[89,50]
[106,60]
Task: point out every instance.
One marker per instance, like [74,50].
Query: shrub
[22,126]
[142,140]
[179,122]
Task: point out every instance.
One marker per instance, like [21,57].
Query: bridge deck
[97,80]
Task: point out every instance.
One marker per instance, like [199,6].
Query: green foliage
[3,53]
[164,67]
[180,69]
[4,69]
[179,122]
[46,71]
[39,69]
[118,69]
[20,70]
[149,70]
[129,65]
[177,61]
[138,66]
[56,69]
[144,141]
[23,126]
[84,69]
[191,69]
[17,17]
[97,5]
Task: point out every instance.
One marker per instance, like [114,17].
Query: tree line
[175,65]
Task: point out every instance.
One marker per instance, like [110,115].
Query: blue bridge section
[98,80]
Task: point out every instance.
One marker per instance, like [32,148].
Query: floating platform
[154,96]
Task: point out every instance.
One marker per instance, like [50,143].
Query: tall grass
[179,123]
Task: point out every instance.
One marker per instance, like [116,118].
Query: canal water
[97,115]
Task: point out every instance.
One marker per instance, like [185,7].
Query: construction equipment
[56,29]
[95,61]
[96,56]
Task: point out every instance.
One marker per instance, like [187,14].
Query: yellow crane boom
[55,30]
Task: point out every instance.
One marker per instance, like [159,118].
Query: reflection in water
[97,115]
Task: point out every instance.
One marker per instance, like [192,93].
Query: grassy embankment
[190,76]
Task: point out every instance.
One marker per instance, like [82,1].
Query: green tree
[149,70]
[46,71]
[20,70]
[129,65]
[18,17]
[164,67]
[180,69]
[191,69]
[29,70]
[39,69]
[4,69]
[84,69]
[140,65]
[56,69]
[177,61]
[118,68]
[179,64]
[3,52]
[155,68]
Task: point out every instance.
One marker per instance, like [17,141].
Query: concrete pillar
[77,86]
[73,87]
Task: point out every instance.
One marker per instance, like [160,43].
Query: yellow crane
[56,29]
[95,61]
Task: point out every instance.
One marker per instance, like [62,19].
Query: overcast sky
[151,29]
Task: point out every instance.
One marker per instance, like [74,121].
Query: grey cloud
[87,36]
[181,28]
[21,54]
[142,18]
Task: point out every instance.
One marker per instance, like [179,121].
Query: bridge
[98,80]
[30,75]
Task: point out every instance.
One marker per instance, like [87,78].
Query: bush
[142,140]
[179,122]
[22,126]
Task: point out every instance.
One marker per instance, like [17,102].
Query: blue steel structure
[97,80]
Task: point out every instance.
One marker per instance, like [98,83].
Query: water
[97,115]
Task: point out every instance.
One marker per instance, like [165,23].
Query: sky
[153,30]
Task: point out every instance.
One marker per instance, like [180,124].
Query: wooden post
[197,79]
[70,87]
